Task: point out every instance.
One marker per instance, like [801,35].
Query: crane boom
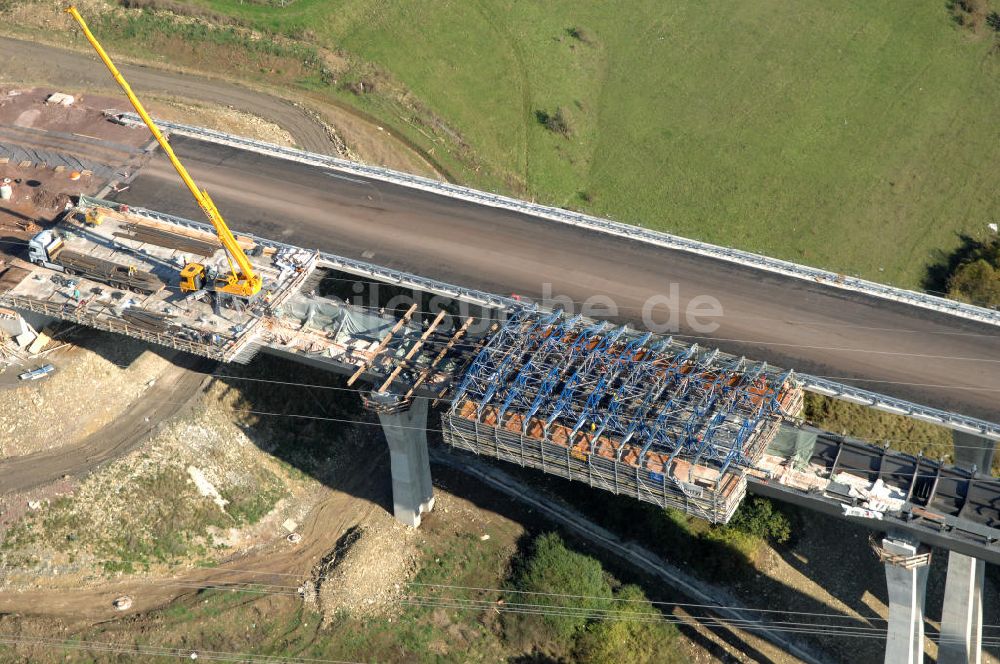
[242,280]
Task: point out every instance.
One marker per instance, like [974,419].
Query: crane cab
[193,278]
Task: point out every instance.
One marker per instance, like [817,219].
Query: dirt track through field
[60,67]
[275,564]
[170,395]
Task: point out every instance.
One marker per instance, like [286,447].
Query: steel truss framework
[606,394]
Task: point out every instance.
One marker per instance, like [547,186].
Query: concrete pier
[405,428]
[962,615]
[906,564]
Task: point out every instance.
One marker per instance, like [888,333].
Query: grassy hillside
[860,138]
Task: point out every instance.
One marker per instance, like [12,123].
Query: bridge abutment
[906,564]
[405,427]
[962,615]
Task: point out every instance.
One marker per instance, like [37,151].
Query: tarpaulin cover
[794,444]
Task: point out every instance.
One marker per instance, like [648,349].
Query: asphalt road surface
[919,355]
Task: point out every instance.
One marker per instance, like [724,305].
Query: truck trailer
[48,249]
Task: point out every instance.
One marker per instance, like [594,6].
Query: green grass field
[860,137]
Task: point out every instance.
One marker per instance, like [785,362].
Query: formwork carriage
[626,412]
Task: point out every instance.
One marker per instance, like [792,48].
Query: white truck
[48,249]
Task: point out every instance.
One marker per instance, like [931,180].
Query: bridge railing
[667,240]
[900,406]
[387,275]
[83,316]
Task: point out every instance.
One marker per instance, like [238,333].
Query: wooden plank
[194,233]
[440,356]
[475,351]
[382,344]
[413,351]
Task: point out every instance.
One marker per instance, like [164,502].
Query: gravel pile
[367,577]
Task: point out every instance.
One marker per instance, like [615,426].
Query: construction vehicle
[241,281]
[48,249]
[92,217]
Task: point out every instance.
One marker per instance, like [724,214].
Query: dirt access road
[43,63]
[277,565]
[171,394]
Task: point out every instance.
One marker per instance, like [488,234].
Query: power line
[842,631]
[714,339]
[562,299]
[556,610]
[163,651]
[430,429]
[447,400]
[293,590]
[337,388]
[325,418]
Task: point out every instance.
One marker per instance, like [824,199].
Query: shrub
[971,6]
[970,13]
[759,517]
[579,34]
[557,122]
[977,282]
[576,587]
[645,640]
[572,580]
[977,278]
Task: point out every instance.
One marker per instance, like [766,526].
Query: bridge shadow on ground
[312,421]
[742,567]
[851,573]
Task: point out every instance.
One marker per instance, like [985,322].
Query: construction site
[105,265]
[664,420]
[119,272]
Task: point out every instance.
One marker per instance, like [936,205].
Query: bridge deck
[191,322]
[293,319]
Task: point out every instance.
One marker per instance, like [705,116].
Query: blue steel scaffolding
[626,411]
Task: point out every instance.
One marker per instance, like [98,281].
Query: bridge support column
[906,564]
[962,615]
[405,428]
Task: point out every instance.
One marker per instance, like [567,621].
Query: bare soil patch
[93,386]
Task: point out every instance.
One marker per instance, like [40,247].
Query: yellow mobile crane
[241,281]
